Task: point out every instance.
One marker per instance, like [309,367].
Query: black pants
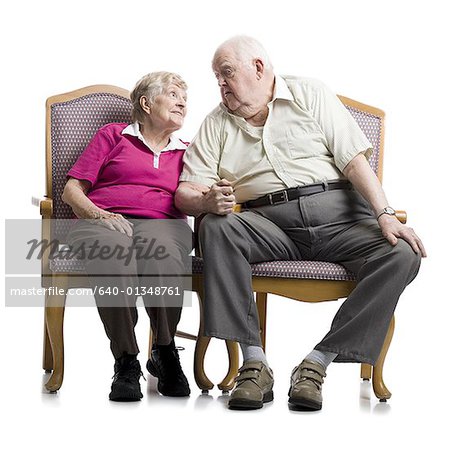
[155,256]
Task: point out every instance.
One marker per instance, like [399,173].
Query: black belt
[283,196]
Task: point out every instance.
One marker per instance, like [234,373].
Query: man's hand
[219,199]
[363,178]
[392,230]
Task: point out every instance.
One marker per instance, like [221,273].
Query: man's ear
[259,64]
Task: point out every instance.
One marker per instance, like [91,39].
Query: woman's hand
[114,222]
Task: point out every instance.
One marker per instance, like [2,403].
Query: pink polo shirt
[127,176]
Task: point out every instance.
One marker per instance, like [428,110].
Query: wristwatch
[387,210]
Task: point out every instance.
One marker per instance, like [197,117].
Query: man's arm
[363,178]
[196,199]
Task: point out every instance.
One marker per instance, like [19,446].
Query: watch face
[390,211]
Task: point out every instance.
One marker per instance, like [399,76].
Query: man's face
[237,82]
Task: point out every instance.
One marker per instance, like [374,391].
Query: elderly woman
[123,186]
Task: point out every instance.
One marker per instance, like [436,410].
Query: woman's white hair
[247,49]
[150,86]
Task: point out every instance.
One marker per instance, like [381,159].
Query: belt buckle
[283,199]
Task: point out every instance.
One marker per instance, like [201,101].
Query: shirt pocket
[305,141]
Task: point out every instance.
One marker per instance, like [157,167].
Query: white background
[390,54]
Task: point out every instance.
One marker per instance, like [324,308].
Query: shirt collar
[281,91]
[174,143]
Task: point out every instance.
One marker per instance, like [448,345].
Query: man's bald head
[246,49]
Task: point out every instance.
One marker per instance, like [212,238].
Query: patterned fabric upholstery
[73,124]
[66,265]
[371,126]
[293,269]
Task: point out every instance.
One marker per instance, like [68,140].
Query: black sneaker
[165,365]
[125,386]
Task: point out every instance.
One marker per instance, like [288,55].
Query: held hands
[392,230]
[114,222]
[219,199]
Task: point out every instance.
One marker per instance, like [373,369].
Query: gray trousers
[334,226]
[127,277]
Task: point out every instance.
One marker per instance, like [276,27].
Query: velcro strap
[247,375]
[312,367]
[255,365]
[306,374]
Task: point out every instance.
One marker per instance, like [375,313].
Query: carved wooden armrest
[45,206]
[401,216]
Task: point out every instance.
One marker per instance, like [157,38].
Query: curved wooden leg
[200,376]
[261,304]
[379,388]
[47,357]
[366,371]
[227,383]
[54,320]
[201,346]
[150,342]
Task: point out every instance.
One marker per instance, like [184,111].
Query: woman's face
[169,109]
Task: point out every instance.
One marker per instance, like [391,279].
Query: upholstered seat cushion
[64,265]
[293,269]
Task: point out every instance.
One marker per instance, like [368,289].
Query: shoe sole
[305,404]
[245,404]
[125,396]
[154,372]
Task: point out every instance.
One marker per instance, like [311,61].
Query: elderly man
[290,153]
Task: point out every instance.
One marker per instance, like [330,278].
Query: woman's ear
[145,105]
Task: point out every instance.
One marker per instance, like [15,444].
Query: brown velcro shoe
[253,388]
[306,386]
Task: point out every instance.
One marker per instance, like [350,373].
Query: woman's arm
[74,195]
